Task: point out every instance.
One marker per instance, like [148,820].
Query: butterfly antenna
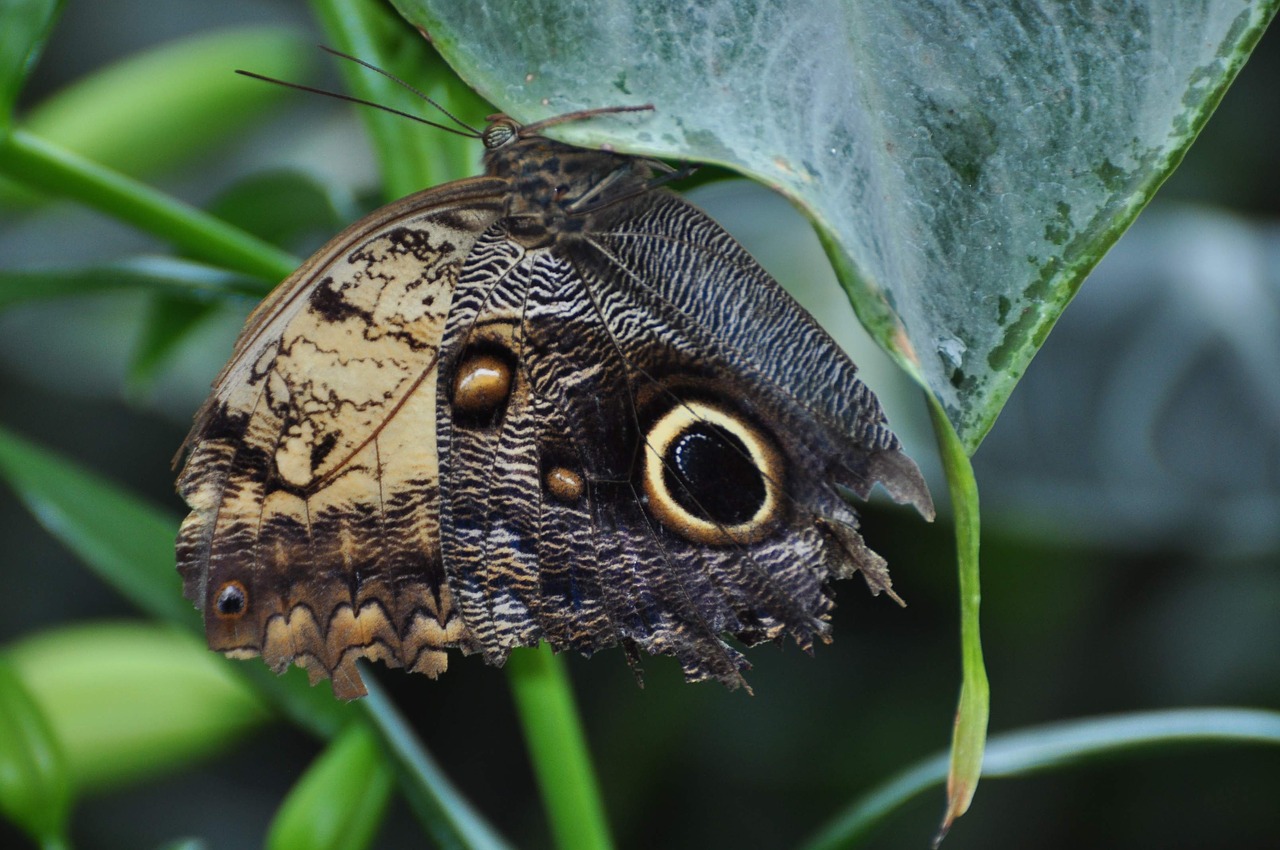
[537,126]
[393,78]
[349,99]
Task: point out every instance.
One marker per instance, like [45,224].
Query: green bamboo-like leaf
[164,106]
[133,700]
[164,275]
[1051,747]
[24,26]
[128,543]
[40,164]
[967,164]
[35,785]
[338,804]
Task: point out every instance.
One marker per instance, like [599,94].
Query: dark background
[1110,585]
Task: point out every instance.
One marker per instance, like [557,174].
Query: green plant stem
[402,149]
[558,749]
[443,811]
[969,737]
[38,164]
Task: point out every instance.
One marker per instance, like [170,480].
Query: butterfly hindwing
[543,535]
[604,360]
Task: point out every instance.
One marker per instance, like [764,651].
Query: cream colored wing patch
[313,475]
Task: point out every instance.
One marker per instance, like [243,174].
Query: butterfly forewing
[313,478]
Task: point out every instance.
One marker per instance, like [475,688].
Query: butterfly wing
[659,465]
[312,475]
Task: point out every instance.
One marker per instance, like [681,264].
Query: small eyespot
[564,484]
[712,476]
[232,601]
[481,385]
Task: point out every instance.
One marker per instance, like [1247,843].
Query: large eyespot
[481,385]
[711,476]
[231,602]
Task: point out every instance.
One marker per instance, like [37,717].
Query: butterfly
[556,402]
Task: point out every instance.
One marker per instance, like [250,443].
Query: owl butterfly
[553,403]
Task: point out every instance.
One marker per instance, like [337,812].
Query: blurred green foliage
[157,739]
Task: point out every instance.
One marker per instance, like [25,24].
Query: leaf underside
[966,165]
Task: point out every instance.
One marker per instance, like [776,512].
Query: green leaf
[1051,747]
[340,801]
[128,543]
[967,164]
[35,788]
[24,26]
[175,278]
[167,105]
[39,164]
[133,700]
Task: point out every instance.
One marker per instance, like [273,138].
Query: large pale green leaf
[966,163]
[130,700]
[156,108]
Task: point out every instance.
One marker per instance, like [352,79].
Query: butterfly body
[551,403]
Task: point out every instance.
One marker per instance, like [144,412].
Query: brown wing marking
[313,477]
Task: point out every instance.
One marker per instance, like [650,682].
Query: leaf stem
[558,749]
[970,734]
[42,165]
